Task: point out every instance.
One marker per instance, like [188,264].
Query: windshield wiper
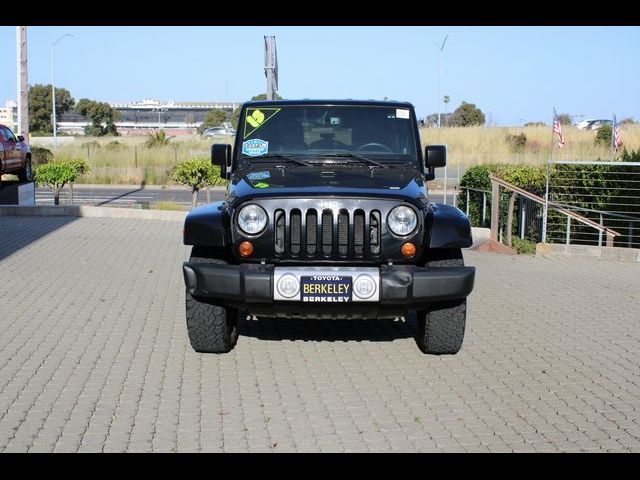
[289,158]
[357,157]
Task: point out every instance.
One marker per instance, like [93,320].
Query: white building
[149,114]
[9,115]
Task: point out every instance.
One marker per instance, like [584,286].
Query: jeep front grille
[327,233]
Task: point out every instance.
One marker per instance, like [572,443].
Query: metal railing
[605,193]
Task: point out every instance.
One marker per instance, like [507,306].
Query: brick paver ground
[94,356]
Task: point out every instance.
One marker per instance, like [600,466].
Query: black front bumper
[402,288]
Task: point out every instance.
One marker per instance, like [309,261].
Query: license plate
[325,288]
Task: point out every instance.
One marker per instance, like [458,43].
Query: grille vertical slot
[279,231]
[358,232]
[374,232]
[327,232]
[343,232]
[312,230]
[296,228]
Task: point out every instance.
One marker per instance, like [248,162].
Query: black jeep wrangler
[327,216]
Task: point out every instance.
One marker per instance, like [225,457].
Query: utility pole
[440,79]
[271,66]
[53,91]
[23,83]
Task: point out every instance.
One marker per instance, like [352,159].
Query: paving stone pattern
[94,356]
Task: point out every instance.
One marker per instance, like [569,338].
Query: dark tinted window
[383,132]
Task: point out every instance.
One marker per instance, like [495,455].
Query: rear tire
[211,328]
[26,174]
[441,327]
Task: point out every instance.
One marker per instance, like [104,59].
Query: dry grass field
[126,160]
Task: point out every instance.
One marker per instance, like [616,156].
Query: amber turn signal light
[408,249]
[245,249]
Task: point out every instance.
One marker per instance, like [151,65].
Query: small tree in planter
[81,167]
[55,175]
[197,173]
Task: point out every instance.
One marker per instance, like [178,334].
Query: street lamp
[440,79]
[53,89]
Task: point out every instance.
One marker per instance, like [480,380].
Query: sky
[514,74]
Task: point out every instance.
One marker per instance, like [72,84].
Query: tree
[263,96]
[41,107]
[58,173]
[466,115]
[603,136]
[101,115]
[197,173]
[565,119]
[235,117]
[157,139]
[446,101]
[214,118]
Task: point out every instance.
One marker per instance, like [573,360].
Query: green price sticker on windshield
[256,118]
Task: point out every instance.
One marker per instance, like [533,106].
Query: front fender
[207,226]
[448,227]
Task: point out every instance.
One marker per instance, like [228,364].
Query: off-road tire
[211,328]
[26,174]
[441,326]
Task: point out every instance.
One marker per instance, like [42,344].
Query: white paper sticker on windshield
[402,113]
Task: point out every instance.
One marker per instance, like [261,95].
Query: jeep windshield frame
[319,132]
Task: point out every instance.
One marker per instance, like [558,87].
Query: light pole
[53,90]
[440,79]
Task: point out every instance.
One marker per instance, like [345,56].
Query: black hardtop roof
[307,101]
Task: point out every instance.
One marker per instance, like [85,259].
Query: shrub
[529,177]
[40,156]
[517,143]
[91,144]
[603,136]
[524,246]
[198,173]
[157,139]
[114,145]
[534,146]
[633,156]
[535,124]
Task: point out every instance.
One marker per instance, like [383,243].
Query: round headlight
[402,220]
[252,219]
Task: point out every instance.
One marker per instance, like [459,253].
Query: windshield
[382,133]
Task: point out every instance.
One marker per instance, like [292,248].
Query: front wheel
[26,174]
[441,326]
[211,328]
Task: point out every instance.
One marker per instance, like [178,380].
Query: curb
[479,236]
[621,254]
[90,211]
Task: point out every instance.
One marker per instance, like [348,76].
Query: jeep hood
[394,182]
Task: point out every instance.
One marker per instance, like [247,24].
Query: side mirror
[20,138]
[221,156]
[435,156]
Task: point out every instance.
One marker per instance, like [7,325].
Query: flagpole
[613,126]
[546,192]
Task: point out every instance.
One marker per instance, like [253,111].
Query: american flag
[616,139]
[557,129]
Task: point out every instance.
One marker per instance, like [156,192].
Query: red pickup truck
[15,155]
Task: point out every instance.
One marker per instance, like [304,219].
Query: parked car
[327,215]
[218,132]
[591,124]
[15,155]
